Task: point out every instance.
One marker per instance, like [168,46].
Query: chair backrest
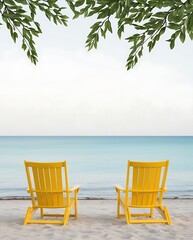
[147,181]
[48,183]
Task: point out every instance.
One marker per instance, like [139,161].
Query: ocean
[96,163]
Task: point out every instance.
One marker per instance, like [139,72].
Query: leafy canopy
[19,18]
[149,19]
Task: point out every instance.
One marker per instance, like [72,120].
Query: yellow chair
[145,187]
[48,188]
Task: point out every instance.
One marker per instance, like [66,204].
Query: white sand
[96,221]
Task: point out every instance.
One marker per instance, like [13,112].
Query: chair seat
[122,199]
[64,205]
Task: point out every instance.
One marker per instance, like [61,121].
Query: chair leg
[66,215]
[118,205]
[29,214]
[127,215]
[76,207]
[167,215]
[118,208]
[151,212]
[41,212]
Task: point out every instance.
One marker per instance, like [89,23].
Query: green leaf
[48,15]
[135,59]
[20,11]
[104,13]
[134,10]
[150,31]
[113,8]
[79,3]
[24,46]
[76,15]
[160,14]
[9,2]
[172,43]
[1,5]
[140,53]
[10,15]
[120,30]
[150,45]
[190,22]
[139,16]
[130,62]
[4,19]
[103,33]
[127,3]
[55,18]
[96,26]
[174,26]
[34,32]
[182,36]
[139,27]
[176,34]
[15,36]
[8,25]
[16,23]
[108,26]
[38,27]
[25,20]
[147,15]
[24,2]
[190,35]
[162,31]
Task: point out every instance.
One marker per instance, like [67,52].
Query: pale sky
[75,92]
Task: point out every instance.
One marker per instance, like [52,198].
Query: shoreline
[87,198]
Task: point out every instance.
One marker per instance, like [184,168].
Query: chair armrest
[119,188]
[165,190]
[75,188]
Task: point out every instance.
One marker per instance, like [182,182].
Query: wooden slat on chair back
[148,181]
[46,183]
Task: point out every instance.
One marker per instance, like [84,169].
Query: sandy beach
[96,221]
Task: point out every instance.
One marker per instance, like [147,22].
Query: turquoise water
[97,163]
